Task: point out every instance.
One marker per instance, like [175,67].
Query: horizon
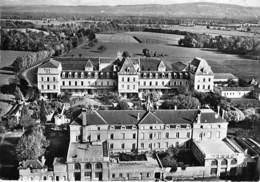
[244,3]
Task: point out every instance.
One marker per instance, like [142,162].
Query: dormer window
[108,74]
[70,74]
[112,127]
[174,74]
[144,75]
[134,127]
[156,75]
[163,75]
[169,75]
[180,75]
[82,75]
[76,75]
[151,75]
[123,127]
[63,74]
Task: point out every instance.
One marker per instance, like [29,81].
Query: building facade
[127,76]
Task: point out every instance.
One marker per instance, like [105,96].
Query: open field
[203,29]
[7,58]
[220,62]
[157,38]
[118,38]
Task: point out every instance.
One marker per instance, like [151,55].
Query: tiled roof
[150,64]
[237,88]
[128,66]
[178,66]
[224,76]
[200,66]
[50,64]
[130,117]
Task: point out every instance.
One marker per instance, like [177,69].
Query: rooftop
[133,117]
[50,64]
[214,147]
[225,76]
[236,88]
[85,152]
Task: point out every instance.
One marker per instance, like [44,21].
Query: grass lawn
[220,62]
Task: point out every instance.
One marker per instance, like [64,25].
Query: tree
[32,144]
[182,102]
[122,105]
[26,120]
[43,112]
[125,54]
[234,115]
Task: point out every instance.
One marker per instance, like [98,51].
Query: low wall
[188,172]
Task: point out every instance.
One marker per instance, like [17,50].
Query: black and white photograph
[130,90]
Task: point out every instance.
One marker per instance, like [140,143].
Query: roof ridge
[149,112]
[100,117]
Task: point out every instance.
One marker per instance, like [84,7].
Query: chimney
[223,113]
[199,118]
[138,116]
[84,116]
[175,107]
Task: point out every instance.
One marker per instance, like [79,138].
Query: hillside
[210,10]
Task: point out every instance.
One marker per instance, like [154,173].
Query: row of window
[204,80]
[49,79]
[233,93]
[131,127]
[128,175]
[224,162]
[88,75]
[87,166]
[203,87]
[164,75]
[44,178]
[81,83]
[144,145]
[142,136]
[48,87]
[156,83]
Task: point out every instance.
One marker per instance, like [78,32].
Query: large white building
[127,76]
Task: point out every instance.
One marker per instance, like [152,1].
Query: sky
[252,3]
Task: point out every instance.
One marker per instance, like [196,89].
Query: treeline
[234,45]
[38,40]
[159,30]
[16,24]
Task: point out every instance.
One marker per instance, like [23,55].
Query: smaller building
[223,78]
[233,92]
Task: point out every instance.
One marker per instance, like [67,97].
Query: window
[134,79]
[159,145]
[224,162]
[98,165]
[48,79]
[87,174]
[69,83]
[150,145]
[82,83]
[198,87]
[214,163]
[142,145]
[188,134]
[203,87]
[133,86]
[112,136]
[48,87]
[123,135]
[151,136]
[107,83]
[233,161]
[42,79]
[151,83]
[209,87]
[177,135]
[120,175]
[54,79]
[177,144]
[64,178]
[156,83]
[111,146]
[166,144]
[162,83]
[122,146]
[57,178]
[54,87]
[148,175]
[63,83]
[128,79]
[151,127]
[98,128]
[204,79]
[98,137]
[213,171]
[77,166]
[87,166]
[167,135]
[134,135]
[113,175]
[128,87]
[44,178]
[144,83]
[122,86]
[76,83]
[122,79]
[209,79]
[133,146]
[42,87]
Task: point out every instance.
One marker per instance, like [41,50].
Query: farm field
[220,62]
[118,38]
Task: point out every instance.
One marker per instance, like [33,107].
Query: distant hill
[198,10]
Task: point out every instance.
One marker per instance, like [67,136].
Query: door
[77,176]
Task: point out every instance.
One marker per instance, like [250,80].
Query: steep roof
[33,163]
[200,66]
[130,117]
[50,64]
[150,64]
[128,66]
[178,66]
